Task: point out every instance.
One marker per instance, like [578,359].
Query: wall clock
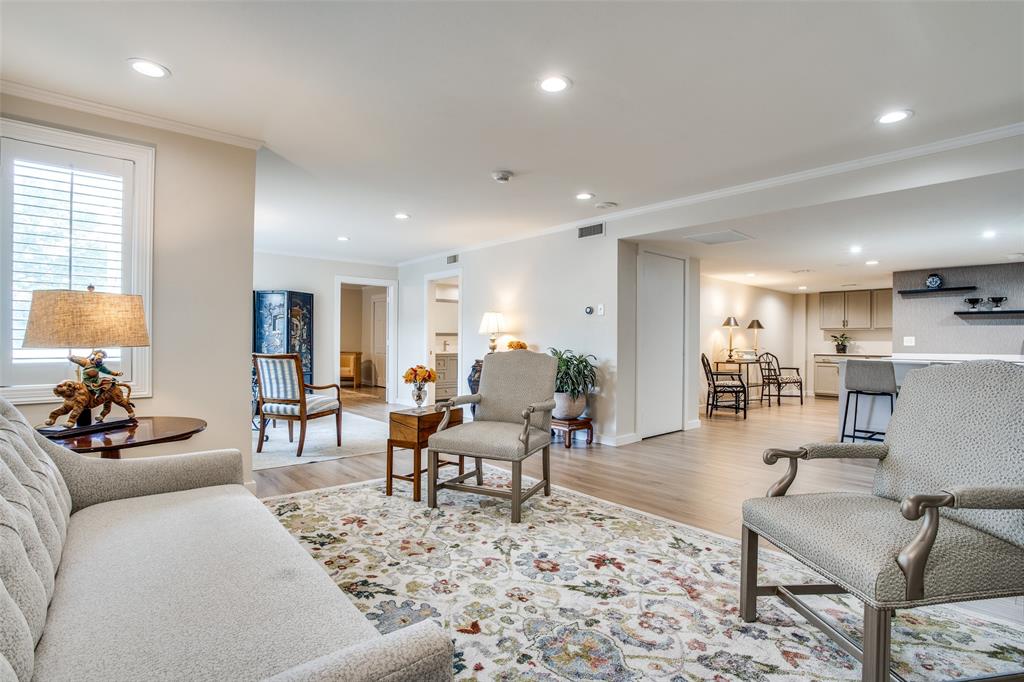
[933,281]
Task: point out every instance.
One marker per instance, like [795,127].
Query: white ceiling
[370,108]
[931,227]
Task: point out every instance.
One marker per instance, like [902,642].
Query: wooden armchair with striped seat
[282,395]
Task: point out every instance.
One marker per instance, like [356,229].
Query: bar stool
[867,377]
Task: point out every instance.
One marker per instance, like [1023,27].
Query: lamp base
[84,419]
[494,343]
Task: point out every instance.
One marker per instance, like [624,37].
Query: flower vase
[419,394]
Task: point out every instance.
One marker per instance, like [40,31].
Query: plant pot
[841,349]
[567,408]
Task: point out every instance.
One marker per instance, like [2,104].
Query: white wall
[202,275]
[315,276]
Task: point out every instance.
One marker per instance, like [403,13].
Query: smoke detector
[502,176]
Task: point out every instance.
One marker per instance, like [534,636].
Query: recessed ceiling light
[342,239]
[606,204]
[895,116]
[855,249]
[148,68]
[584,196]
[871,262]
[751,274]
[989,234]
[555,83]
[802,288]
[402,216]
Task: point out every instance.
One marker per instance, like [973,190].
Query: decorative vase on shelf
[419,394]
[841,349]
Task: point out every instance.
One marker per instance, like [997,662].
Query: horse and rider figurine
[92,391]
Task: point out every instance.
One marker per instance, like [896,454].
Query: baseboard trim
[616,441]
[692,424]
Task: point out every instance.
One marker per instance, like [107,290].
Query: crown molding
[939,146]
[350,261]
[89,107]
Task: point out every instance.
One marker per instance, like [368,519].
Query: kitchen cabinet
[881,309]
[860,309]
[447,367]
[826,378]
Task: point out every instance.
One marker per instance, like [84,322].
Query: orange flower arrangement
[419,375]
[516,344]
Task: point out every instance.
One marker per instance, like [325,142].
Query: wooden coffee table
[146,431]
[568,426]
[410,429]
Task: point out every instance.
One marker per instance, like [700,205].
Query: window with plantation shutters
[67,223]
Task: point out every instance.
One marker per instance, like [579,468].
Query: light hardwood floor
[698,477]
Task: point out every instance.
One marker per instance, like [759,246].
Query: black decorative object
[933,281]
[474,380]
[283,323]
[973,302]
[997,302]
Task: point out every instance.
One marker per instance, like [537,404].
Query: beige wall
[202,275]
[351,319]
[318,277]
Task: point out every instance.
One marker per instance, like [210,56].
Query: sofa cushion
[200,584]
[490,440]
[854,539]
[34,510]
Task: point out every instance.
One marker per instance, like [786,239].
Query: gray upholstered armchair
[954,455]
[513,421]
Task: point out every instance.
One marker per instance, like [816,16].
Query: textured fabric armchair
[513,421]
[954,457]
[282,395]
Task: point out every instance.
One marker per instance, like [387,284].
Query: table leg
[390,465]
[416,474]
[110,454]
[590,434]
[568,437]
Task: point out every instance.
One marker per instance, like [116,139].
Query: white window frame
[140,213]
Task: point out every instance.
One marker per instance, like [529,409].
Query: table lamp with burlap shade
[62,318]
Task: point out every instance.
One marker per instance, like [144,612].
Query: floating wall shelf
[935,291]
[972,313]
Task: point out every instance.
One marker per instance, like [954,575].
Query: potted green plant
[576,377]
[841,341]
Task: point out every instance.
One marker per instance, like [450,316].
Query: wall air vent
[590,231]
[723,237]
[452,259]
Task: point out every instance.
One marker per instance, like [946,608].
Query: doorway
[661,343]
[365,328]
[443,325]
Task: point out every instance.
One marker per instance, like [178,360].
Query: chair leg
[432,478]
[302,436]
[263,431]
[846,413]
[800,387]
[517,491]
[877,634]
[748,576]
[479,470]
[546,463]
[291,435]
[856,404]
[337,425]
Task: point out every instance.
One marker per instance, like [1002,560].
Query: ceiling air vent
[452,259]
[723,237]
[590,231]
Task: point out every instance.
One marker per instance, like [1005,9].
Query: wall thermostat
[589,310]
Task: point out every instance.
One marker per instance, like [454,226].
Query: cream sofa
[165,568]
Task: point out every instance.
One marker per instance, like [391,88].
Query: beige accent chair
[954,455]
[513,421]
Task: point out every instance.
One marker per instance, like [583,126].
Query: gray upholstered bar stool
[871,378]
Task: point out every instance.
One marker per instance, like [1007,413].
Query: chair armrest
[336,387]
[447,405]
[795,369]
[91,480]
[544,406]
[987,497]
[818,451]
[418,653]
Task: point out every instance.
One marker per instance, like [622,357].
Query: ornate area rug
[359,436]
[587,590]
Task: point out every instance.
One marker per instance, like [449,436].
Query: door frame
[691,301]
[427,279]
[391,392]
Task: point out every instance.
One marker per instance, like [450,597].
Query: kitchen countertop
[852,355]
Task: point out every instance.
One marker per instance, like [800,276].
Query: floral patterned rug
[587,590]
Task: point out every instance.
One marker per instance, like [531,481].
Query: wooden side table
[410,429]
[147,431]
[568,426]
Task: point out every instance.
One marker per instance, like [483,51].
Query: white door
[660,344]
[379,342]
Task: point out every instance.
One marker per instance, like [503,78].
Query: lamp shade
[755,324]
[61,318]
[492,323]
[730,322]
